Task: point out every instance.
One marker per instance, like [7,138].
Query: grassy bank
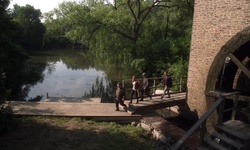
[50,133]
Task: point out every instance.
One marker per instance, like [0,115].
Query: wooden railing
[201,124]
[179,85]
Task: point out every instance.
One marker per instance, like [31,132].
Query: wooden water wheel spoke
[240,65]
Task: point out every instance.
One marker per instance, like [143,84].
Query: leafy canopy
[149,35]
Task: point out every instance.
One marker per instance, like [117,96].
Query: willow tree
[138,32]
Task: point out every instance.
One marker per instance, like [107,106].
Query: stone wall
[215,23]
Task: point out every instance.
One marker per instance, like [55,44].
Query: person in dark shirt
[119,97]
[167,82]
[145,87]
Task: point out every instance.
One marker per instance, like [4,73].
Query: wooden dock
[92,108]
[86,110]
[156,102]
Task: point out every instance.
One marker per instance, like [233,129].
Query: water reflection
[67,74]
[64,82]
[105,92]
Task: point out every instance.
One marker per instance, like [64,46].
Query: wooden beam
[156,105]
[240,65]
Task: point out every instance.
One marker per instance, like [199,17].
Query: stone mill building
[219,52]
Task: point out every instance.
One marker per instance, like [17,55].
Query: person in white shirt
[135,89]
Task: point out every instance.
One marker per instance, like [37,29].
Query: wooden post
[221,111]
[154,86]
[202,132]
[236,99]
[180,84]
[47,95]
[123,85]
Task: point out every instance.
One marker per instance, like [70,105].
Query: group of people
[144,88]
[136,88]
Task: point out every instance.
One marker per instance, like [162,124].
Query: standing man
[167,82]
[145,87]
[119,97]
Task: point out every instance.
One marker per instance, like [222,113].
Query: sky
[43,5]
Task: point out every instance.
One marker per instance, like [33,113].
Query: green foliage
[11,55]
[137,35]
[5,117]
[4,92]
[13,72]
[179,68]
[31,28]
[12,64]
[138,65]
[179,71]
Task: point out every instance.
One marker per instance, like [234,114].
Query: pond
[65,82]
[66,74]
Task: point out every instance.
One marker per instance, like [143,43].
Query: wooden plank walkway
[94,111]
[156,102]
[92,108]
